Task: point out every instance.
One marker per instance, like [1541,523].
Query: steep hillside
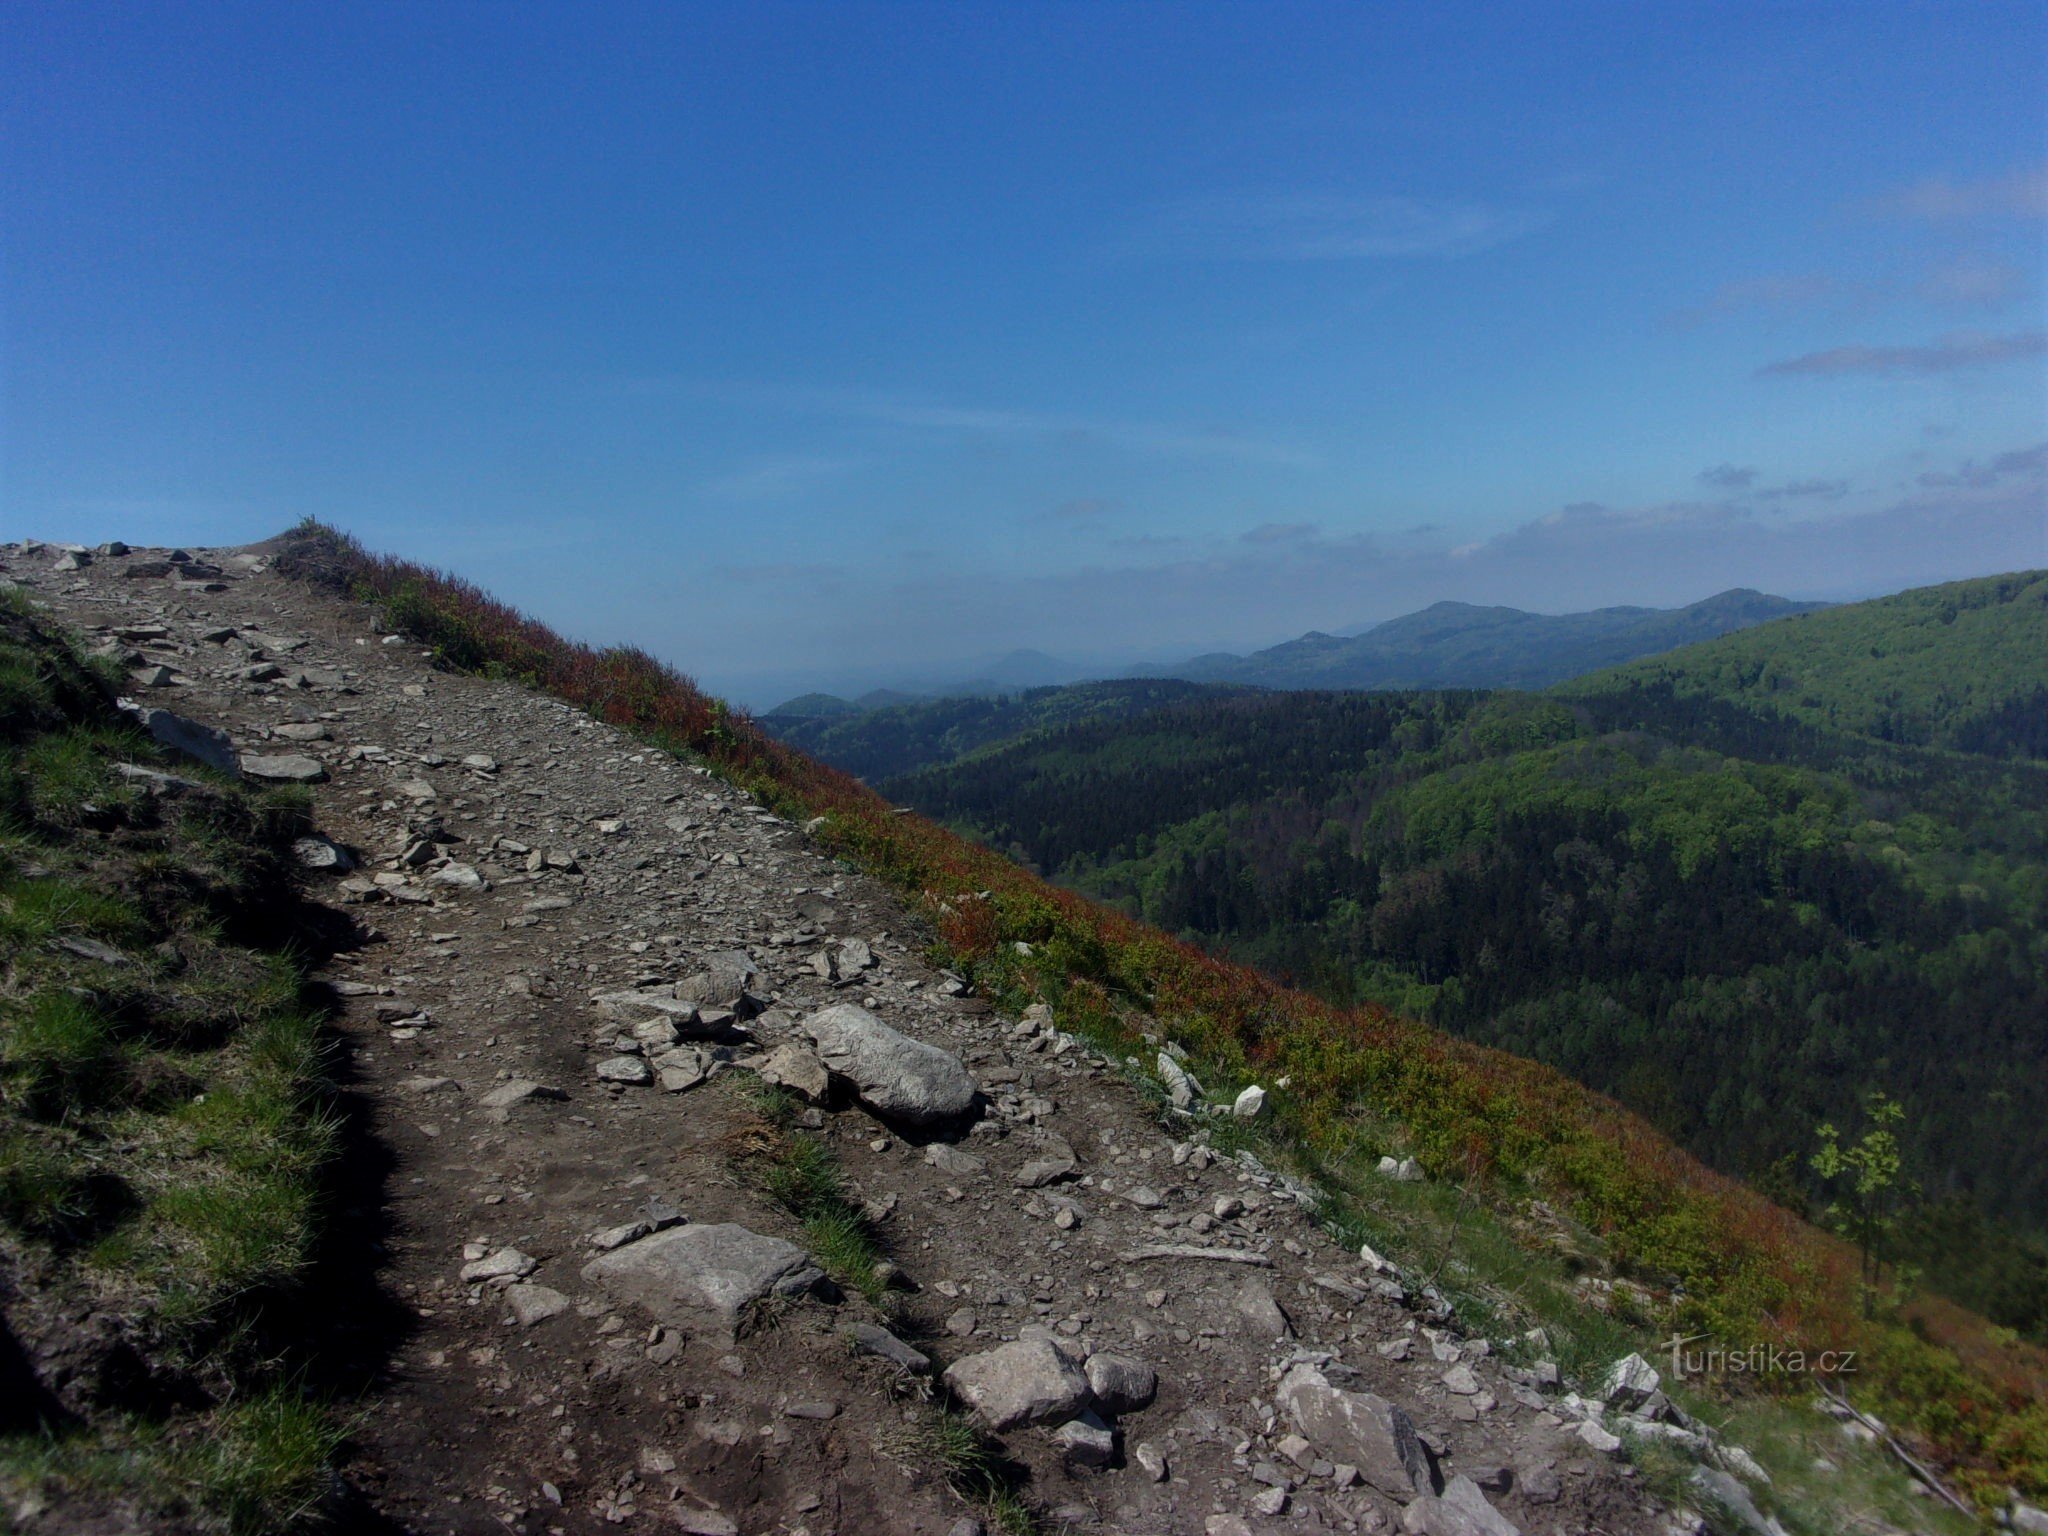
[1458,645]
[1734,920]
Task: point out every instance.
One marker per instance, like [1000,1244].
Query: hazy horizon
[806,342]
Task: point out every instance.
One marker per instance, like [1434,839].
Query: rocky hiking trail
[575,960]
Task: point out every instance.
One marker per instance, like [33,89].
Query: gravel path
[514,861]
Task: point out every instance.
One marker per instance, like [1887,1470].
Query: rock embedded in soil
[503,1099]
[532,1303]
[1461,1510]
[1255,1304]
[1360,1429]
[897,1077]
[291,768]
[872,1340]
[202,743]
[699,1275]
[1028,1382]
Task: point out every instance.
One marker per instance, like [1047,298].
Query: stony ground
[515,862]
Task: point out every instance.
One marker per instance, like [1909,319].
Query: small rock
[506,1264]
[798,1070]
[288,769]
[950,1159]
[1151,1461]
[1249,1103]
[500,1101]
[872,1340]
[319,853]
[631,1070]
[534,1303]
[1181,1087]
[1119,1383]
[1255,1304]
[1597,1438]
[1086,1441]
[1629,1383]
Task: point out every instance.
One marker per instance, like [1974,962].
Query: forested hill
[1458,645]
[1958,666]
[875,744]
[1736,887]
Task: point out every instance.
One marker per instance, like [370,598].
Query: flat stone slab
[291,768]
[705,1275]
[895,1076]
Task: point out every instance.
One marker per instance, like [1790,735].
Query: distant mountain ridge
[1464,645]
[1446,645]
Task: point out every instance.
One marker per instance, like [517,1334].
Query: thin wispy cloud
[1152,438]
[777,479]
[1728,477]
[1948,355]
[2020,193]
[1082,510]
[1972,282]
[1781,293]
[2021,464]
[1310,227]
[1803,490]
[1279,533]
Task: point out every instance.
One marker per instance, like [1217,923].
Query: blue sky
[838,342]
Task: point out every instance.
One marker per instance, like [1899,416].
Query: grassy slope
[1359,1080]
[162,1130]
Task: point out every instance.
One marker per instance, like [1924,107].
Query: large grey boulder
[896,1076]
[1028,1382]
[1358,1429]
[1462,1510]
[703,1276]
